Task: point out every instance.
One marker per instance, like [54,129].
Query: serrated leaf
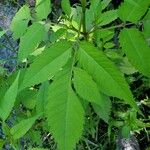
[105,35]
[42,97]
[121,62]
[107,17]
[93,14]
[126,67]
[65,113]
[31,39]
[65,4]
[88,90]
[96,7]
[104,110]
[133,10]
[58,34]
[136,49]
[86,87]
[28,98]
[110,81]
[109,45]
[22,127]
[20,21]
[105,3]
[94,4]
[7,103]
[146,24]
[47,64]
[42,8]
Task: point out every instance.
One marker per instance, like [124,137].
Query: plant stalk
[112,27]
[83,2]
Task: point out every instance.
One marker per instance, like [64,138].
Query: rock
[31,3]
[7,44]
[127,144]
[6,14]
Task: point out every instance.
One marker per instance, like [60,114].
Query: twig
[113,27]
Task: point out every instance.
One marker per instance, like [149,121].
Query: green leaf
[103,110]
[107,17]
[58,34]
[133,10]
[110,81]
[86,87]
[104,35]
[109,45]
[146,23]
[126,67]
[4,86]
[27,97]
[65,113]
[42,97]
[93,14]
[88,90]
[94,4]
[121,62]
[65,4]
[20,21]
[42,8]
[136,49]
[20,129]
[47,64]
[126,131]
[7,103]
[105,3]
[31,39]
[95,7]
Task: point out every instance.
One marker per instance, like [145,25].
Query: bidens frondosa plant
[68,66]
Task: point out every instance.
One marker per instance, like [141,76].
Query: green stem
[83,2]
[71,28]
[109,28]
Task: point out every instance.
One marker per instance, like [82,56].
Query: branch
[113,27]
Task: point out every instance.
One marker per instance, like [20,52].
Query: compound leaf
[133,10]
[42,97]
[88,90]
[65,4]
[86,87]
[47,64]
[110,81]
[7,103]
[20,21]
[65,113]
[43,8]
[146,23]
[34,35]
[136,49]
[107,17]
[104,110]
[22,127]
[105,3]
